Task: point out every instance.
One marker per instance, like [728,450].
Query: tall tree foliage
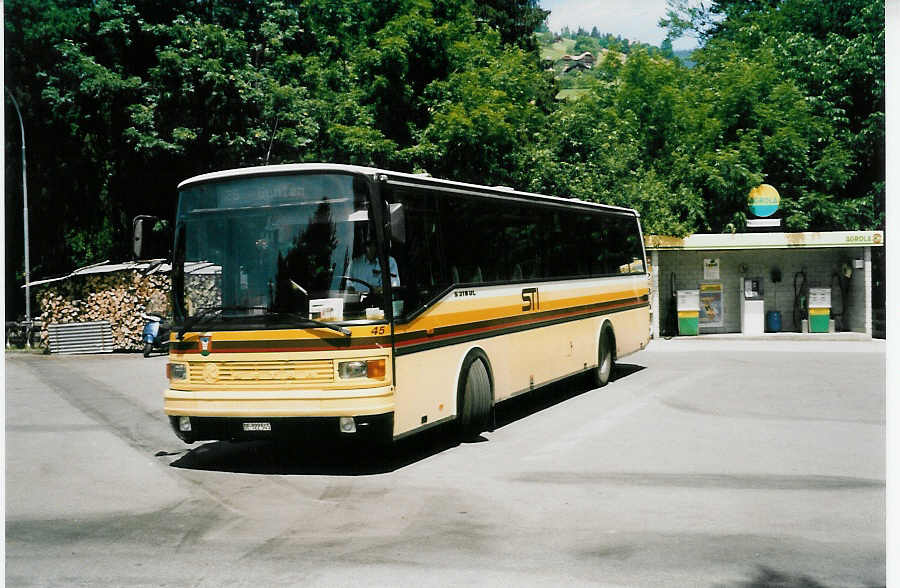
[124,98]
[797,88]
[515,20]
[483,115]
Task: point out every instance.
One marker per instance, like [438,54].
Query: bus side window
[463,223]
[617,245]
[517,247]
[419,256]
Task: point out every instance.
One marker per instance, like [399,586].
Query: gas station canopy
[765,240]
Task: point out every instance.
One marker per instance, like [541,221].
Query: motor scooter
[155,334]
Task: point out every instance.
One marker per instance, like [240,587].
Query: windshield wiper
[306,319]
[208,313]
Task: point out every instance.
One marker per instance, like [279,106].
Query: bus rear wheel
[605,359]
[475,398]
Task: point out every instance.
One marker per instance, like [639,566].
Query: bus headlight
[373,369]
[352,369]
[176,371]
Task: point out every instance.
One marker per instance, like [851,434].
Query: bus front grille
[267,374]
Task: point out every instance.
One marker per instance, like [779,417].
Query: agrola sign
[763,200]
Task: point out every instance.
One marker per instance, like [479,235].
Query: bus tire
[605,357]
[475,397]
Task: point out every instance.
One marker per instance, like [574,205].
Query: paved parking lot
[705,463]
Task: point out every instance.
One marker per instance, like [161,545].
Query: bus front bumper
[223,415]
[377,428]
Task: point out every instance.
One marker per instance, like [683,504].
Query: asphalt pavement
[704,463]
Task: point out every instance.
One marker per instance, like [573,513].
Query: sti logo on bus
[204,345]
[531,298]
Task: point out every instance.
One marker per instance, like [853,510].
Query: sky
[635,20]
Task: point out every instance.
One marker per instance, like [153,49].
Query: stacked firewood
[118,297]
[202,291]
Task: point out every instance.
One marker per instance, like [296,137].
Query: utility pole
[25,212]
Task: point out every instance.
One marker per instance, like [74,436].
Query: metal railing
[70,338]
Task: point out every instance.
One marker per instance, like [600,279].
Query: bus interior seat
[471,278]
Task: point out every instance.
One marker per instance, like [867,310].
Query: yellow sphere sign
[764,200]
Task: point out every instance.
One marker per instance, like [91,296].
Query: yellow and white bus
[287,322]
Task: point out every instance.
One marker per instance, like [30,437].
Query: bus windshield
[277,249]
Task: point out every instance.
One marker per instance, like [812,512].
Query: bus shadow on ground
[322,457]
[340,457]
[545,397]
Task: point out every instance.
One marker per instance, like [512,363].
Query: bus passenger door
[423,393]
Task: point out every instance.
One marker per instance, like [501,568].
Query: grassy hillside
[553,48]
[572,93]
[555,51]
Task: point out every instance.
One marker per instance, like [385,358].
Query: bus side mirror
[398,222]
[150,237]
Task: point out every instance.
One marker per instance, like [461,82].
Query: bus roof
[397,178]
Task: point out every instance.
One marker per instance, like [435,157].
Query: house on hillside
[586,58]
[577,65]
[585,61]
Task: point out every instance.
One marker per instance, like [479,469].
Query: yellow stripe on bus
[490,308]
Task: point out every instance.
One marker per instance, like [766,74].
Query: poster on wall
[711,269]
[711,308]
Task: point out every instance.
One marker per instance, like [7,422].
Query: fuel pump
[688,312]
[753,307]
[819,310]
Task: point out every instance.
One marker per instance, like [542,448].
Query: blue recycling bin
[773,321]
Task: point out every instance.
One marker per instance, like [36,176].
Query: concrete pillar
[867,256]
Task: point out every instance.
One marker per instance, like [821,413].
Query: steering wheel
[363,282]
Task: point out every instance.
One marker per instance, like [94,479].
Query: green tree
[799,91]
[124,98]
[614,145]
[515,20]
[484,114]
[583,44]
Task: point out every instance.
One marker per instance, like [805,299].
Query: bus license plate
[257,427]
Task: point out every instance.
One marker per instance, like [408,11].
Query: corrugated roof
[148,266]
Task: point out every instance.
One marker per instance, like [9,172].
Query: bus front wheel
[605,358]
[475,397]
